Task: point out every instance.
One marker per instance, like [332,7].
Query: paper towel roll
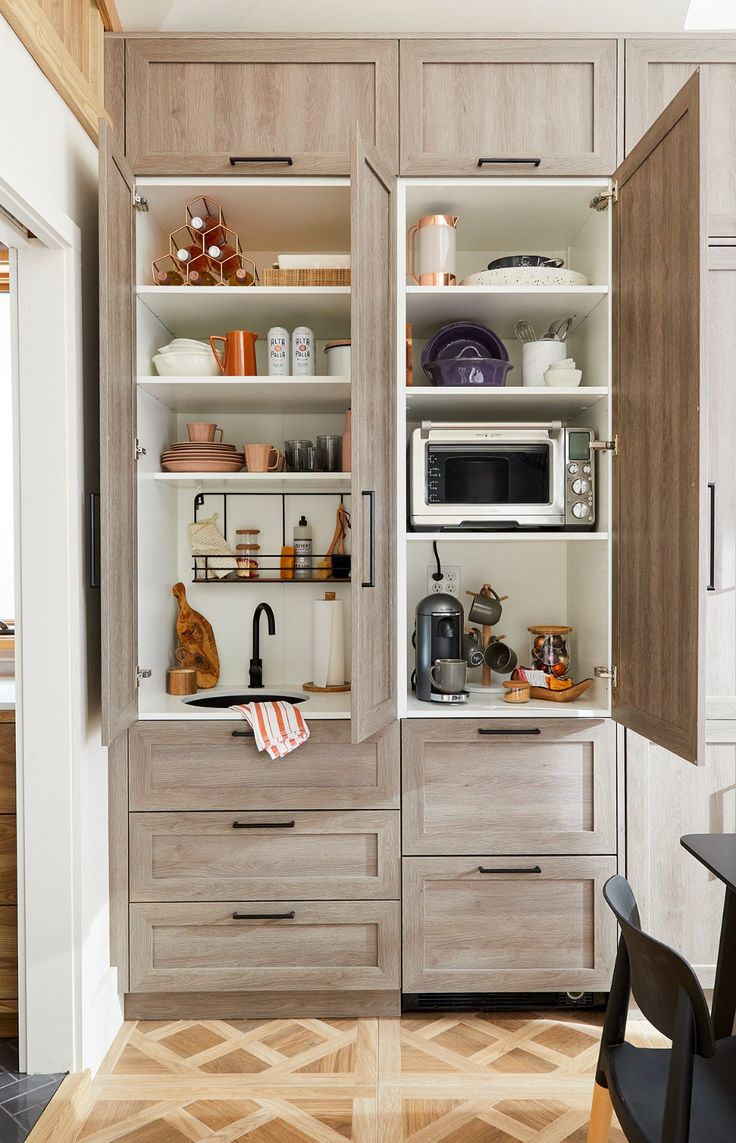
[328,645]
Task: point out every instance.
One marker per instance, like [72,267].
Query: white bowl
[186,365]
[563,378]
[185,345]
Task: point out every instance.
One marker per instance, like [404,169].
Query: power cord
[438,575]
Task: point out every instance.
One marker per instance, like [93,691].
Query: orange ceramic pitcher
[238,358]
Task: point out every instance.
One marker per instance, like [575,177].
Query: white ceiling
[390,17]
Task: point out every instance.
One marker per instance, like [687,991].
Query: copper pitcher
[238,358]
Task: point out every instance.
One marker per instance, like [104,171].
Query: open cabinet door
[373,321]
[118,570]
[659,535]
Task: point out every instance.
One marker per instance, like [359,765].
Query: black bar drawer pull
[263,825]
[235,159]
[511,730]
[510,869]
[264,916]
[712,540]
[510,162]
[371,581]
[243,734]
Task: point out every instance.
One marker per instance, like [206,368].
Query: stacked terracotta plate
[190,456]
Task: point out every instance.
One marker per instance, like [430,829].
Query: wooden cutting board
[197,647]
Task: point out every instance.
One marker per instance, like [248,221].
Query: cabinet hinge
[601,200]
[607,673]
[606,446]
[142,673]
[140,202]
[138,450]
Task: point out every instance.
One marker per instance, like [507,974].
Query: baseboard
[67,1112]
[103,1017]
[258,1005]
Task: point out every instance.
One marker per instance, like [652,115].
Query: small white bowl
[185,344]
[186,365]
[563,378]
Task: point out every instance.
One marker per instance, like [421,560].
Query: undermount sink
[222,702]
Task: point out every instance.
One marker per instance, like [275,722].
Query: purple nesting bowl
[469,369]
[454,339]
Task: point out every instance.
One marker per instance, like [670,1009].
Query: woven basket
[271,276]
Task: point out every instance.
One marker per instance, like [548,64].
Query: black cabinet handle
[371,581]
[243,734]
[511,730]
[510,869]
[94,542]
[712,540]
[263,825]
[264,916]
[235,159]
[510,162]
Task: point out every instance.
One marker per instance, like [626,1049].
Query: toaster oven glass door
[489,474]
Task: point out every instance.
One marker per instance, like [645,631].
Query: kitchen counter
[7,694]
[163,707]
[490,704]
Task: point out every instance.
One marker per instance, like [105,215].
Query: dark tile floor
[22,1097]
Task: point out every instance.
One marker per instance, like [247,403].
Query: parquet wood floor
[463,1078]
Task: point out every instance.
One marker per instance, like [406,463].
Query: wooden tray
[272,276]
[569,695]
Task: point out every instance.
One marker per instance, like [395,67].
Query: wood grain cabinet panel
[8,952]
[656,69]
[490,787]
[466,99]
[8,860]
[7,767]
[324,945]
[537,923]
[269,855]
[203,766]
[192,103]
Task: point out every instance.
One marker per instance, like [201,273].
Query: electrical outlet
[450,582]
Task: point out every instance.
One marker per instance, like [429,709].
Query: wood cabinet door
[118,515]
[508,107]
[272,855]
[678,898]
[480,924]
[660,533]
[547,786]
[265,945]
[194,103]
[656,69]
[720,461]
[373,324]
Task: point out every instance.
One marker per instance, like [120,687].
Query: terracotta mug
[202,431]
[238,357]
[258,457]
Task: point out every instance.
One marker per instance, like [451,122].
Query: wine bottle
[168,278]
[192,257]
[225,256]
[240,277]
[201,278]
[206,215]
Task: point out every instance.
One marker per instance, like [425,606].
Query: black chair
[682,1094]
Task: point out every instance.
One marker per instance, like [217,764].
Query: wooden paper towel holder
[336,688]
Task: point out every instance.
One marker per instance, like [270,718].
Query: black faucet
[256,664]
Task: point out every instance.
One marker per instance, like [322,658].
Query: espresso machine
[438,634]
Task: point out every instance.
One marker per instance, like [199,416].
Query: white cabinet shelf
[425,402]
[500,307]
[492,705]
[250,394]
[259,481]
[198,311]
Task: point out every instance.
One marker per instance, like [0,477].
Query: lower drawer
[245,946]
[294,854]
[491,924]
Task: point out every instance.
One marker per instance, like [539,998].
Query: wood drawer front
[192,103]
[8,860]
[466,931]
[8,953]
[511,790]
[553,100]
[201,766]
[326,945]
[656,69]
[203,857]
[7,767]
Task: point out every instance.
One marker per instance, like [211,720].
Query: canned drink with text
[302,352]
[278,351]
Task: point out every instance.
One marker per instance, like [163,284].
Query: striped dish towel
[278,726]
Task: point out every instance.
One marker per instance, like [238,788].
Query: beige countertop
[166,707]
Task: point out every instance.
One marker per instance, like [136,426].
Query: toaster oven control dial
[580,487]
[573,469]
[586,469]
[580,510]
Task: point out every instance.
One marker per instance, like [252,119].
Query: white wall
[49,164]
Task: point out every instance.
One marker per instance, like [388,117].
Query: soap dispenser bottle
[302,550]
